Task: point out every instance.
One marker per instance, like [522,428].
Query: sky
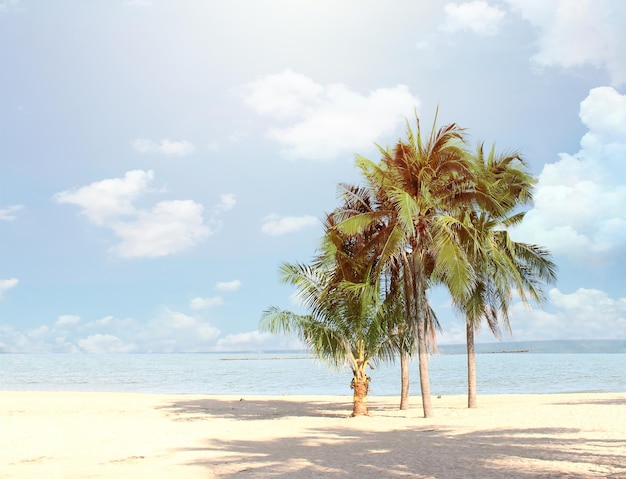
[160,160]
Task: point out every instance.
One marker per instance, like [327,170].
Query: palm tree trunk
[421,316]
[360,386]
[471,366]
[404,372]
[423,358]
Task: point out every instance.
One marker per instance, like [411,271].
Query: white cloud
[227,202]
[170,331]
[604,113]
[164,147]
[199,303]
[477,16]
[228,285]
[275,225]
[102,201]
[124,326]
[177,331]
[12,341]
[583,314]
[167,228]
[66,321]
[326,121]
[6,284]
[255,341]
[170,227]
[105,343]
[580,201]
[589,302]
[7,214]
[578,32]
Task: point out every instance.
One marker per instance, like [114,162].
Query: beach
[103,435]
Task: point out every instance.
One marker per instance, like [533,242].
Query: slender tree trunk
[404,372]
[471,366]
[360,385]
[423,368]
[421,316]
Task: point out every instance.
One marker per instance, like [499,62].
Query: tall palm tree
[347,321]
[500,264]
[423,183]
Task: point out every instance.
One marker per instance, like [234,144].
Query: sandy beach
[112,435]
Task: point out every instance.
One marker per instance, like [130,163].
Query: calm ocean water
[503,368]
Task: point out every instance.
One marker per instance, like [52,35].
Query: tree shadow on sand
[344,450]
[256,409]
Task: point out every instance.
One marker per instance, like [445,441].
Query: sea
[537,367]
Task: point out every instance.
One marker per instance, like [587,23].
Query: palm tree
[347,320]
[365,201]
[423,182]
[499,263]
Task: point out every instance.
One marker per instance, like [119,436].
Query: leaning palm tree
[500,264]
[423,182]
[347,317]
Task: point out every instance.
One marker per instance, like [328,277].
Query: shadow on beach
[256,409]
[343,447]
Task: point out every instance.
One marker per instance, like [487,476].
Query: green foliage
[429,212]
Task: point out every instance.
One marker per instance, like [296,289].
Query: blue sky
[159,160]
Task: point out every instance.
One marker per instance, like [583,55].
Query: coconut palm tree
[381,217]
[500,264]
[423,183]
[365,201]
[347,321]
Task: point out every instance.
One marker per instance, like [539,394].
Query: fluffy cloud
[275,225]
[227,202]
[167,228]
[574,33]
[580,201]
[228,285]
[255,341]
[104,343]
[67,321]
[170,331]
[8,213]
[198,304]
[325,121]
[583,314]
[164,147]
[106,200]
[175,331]
[477,16]
[6,284]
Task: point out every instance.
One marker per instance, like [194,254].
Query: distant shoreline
[266,359]
[549,346]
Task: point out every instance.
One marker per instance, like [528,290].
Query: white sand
[101,435]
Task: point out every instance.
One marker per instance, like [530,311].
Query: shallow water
[298,373]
